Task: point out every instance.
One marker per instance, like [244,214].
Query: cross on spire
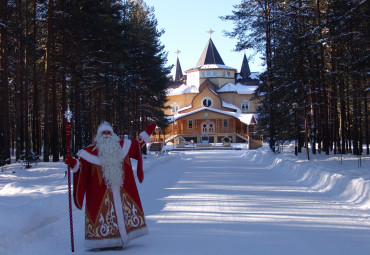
[210,32]
[177,52]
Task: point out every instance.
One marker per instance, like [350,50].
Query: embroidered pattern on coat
[134,217]
[107,226]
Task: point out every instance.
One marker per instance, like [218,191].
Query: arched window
[210,129]
[208,126]
[204,128]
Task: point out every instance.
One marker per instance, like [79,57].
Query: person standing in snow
[103,173]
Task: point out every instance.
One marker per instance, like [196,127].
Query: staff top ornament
[68,114]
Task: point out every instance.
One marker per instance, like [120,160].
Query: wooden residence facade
[211,102]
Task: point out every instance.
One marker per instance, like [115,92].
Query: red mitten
[150,128]
[70,161]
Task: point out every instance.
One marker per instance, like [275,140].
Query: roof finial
[210,32]
[177,52]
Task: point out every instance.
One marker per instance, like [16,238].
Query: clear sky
[186,24]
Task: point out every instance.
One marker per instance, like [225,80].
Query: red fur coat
[113,216]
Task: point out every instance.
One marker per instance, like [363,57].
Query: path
[222,203]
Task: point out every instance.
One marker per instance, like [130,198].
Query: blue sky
[186,24]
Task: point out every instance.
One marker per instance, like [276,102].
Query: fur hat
[105,126]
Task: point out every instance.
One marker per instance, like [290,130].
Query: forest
[315,89]
[103,59]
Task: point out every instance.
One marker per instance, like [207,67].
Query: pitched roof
[245,72]
[247,118]
[178,71]
[210,55]
[238,88]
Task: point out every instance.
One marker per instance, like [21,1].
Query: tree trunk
[48,62]
[4,91]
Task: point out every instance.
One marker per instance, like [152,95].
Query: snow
[206,202]
[231,106]
[216,66]
[211,66]
[243,117]
[183,89]
[238,88]
[254,75]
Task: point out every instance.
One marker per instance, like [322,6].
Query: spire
[245,72]
[210,54]
[178,71]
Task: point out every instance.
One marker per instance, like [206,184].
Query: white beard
[110,156]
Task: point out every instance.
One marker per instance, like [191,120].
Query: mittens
[150,128]
[70,161]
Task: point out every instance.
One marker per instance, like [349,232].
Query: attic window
[207,102]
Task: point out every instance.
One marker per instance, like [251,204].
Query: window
[190,123]
[204,128]
[174,108]
[208,126]
[245,106]
[226,74]
[204,74]
[225,123]
[207,102]
[210,129]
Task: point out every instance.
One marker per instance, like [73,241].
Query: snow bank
[343,179]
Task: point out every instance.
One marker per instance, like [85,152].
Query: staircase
[244,137]
[254,144]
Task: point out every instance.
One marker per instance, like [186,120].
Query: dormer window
[245,106]
[207,102]
[174,108]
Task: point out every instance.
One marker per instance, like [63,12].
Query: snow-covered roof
[228,105]
[183,89]
[238,88]
[216,66]
[243,117]
[254,75]
[211,66]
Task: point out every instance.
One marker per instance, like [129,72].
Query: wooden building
[211,101]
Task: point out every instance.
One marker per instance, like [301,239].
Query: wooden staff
[68,115]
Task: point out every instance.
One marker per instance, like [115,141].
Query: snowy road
[210,202]
[227,203]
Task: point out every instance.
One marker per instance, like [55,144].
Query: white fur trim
[105,127]
[89,157]
[103,243]
[75,168]
[145,137]
[137,233]
[126,147]
[118,207]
